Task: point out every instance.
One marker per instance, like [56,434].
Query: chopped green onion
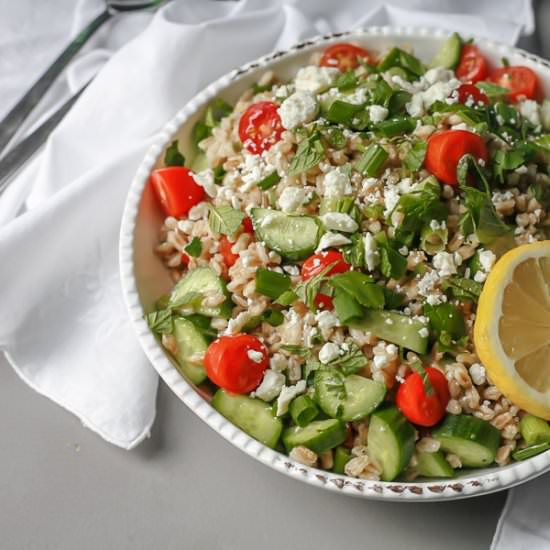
[399,58]
[347,81]
[398,101]
[341,112]
[303,410]
[415,157]
[381,91]
[271,316]
[194,248]
[360,121]
[433,241]
[396,126]
[269,181]
[341,457]
[347,308]
[374,211]
[270,283]
[528,452]
[372,160]
[287,298]
[360,287]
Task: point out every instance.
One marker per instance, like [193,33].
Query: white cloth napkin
[63,325]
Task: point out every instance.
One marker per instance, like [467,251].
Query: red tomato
[225,250]
[469,92]
[521,81]
[472,66]
[416,405]
[176,190]
[260,126]
[343,56]
[316,263]
[322,301]
[446,148]
[184,259]
[247,224]
[231,364]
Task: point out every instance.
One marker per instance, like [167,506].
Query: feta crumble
[329,240]
[338,221]
[372,255]
[377,113]
[299,108]
[315,79]
[336,183]
[270,387]
[288,393]
[292,198]
[328,352]
[446,263]
[256,356]
[206,180]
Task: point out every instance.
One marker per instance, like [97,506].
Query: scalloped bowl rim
[476,484]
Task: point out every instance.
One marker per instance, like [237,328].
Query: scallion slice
[303,410]
[372,160]
[270,283]
[269,181]
[396,126]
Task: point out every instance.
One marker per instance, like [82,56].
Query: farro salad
[329,245]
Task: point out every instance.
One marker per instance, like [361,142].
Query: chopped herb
[399,58]
[294,349]
[396,126]
[352,361]
[270,283]
[381,92]
[463,289]
[354,253]
[160,322]
[335,137]
[219,173]
[308,290]
[415,157]
[342,112]
[419,368]
[491,90]
[392,264]
[372,160]
[224,219]
[398,102]
[347,81]
[347,308]
[447,318]
[541,192]
[393,299]
[360,287]
[194,248]
[269,181]
[287,298]
[173,157]
[258,88]
[309,154]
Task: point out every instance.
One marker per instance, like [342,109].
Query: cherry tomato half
[420,408]
[260,126]
[226,245]
[446,148]
[343,56]
[176,190]
[317,262]
[472,66]
[470,93]
[521,81]
[236,363]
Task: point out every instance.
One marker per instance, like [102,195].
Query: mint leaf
[160,322]
[463,289]
[310,153]
[224,219]
[352,361]
[415,157]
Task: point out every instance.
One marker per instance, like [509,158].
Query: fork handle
[13,120]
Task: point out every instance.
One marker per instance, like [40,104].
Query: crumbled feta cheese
[486,261]
[315,79]
[252,170]
[436,225]
[438,74]
[337,183]
[446,263]
[206,180]
[326,320]
[271,386]
[256,356]
[338,221]
[278,362]
[291,270]
[329,240]
[477,373]
[288,393]
[372,255]
[198,211]
[292,198]
[328,352]
[521,169]
[377,113]
[404,251]
[436,299]
[299,108]
[436,85]
[383,354]
[415,107]
[530,110]
[423,332]
[369,183]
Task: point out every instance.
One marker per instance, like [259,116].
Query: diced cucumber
[394,327]
[390,441]
[473,440]
[448,55]
[190,341]
[341,457]
[294,237]
[199,163]
[319,435]
[252,416]
[202,281]
[534,430]
[433,465]
[357,398]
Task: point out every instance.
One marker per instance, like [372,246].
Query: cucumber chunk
[534,430]
[202,281]
[394,327]
[341,457]
[360,396]
[294,237]
[448,55]
[473,440]
[189,341]
[390,441]
[319,435]
[433,465]
[252,416]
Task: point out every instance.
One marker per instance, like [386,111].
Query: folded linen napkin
[63,325]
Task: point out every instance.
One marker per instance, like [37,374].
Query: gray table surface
[62,487]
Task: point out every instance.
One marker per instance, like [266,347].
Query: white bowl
[144,278]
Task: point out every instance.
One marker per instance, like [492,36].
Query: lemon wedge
[512,327]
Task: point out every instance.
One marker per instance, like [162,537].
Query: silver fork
[13,120]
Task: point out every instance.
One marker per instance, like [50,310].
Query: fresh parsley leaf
[415,157]
[392,264]
[347,81]
[463,289]
[360,287]
[309,154]
[446,317]
[173,157]
[194,248]
[223,219]
[160,322]
[308,290]
[354,253]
